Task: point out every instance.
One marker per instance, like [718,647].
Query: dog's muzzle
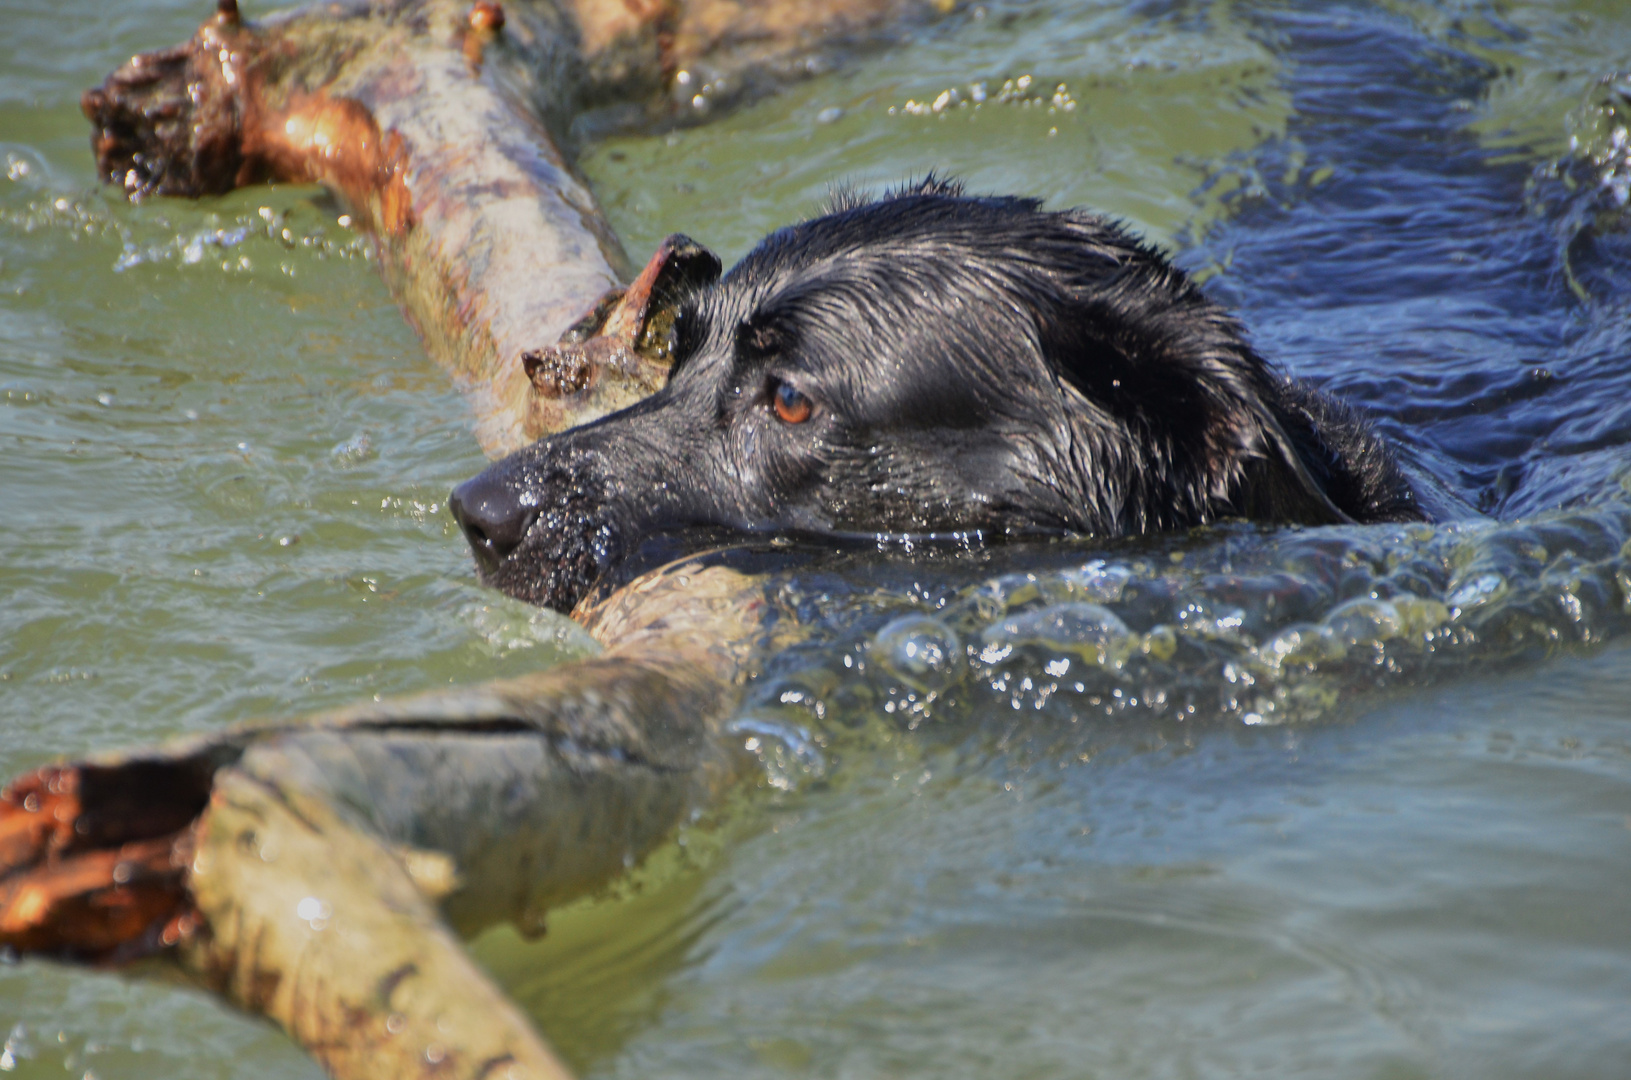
[542,535]
[494,517]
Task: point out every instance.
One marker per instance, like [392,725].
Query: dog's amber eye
[791,406]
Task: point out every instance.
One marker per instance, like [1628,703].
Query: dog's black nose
[493,515]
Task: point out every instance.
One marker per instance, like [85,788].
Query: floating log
[432,120]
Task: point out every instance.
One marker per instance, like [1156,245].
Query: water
[1195,806]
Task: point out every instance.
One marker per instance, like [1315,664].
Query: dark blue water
[1471,298]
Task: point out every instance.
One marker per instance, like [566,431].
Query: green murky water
[1328,804]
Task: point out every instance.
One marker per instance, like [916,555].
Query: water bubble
[1364,621]
[1418,616]
[786,752]
[1091,631]
[356,449]
[1098,581]
[802,695]
[1161,643]
[1206,618]
[921,651]
[314,912]
[1301,644]
[1481,590]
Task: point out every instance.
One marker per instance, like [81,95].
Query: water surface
[1326,803]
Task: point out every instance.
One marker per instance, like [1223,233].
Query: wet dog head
[925,363]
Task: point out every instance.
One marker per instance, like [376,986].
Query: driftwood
[316,871]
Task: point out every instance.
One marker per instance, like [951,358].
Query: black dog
[935,363]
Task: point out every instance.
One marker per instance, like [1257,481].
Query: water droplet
[314,912]
[1475,593]
[356,449]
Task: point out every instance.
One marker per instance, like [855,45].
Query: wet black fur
[976,365]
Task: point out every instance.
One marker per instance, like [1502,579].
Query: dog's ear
[1168,377]
[1285,479]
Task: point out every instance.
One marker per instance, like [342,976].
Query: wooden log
[432,120]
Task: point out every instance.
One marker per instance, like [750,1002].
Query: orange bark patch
[336,141]
[37,814]
[486,15]
[103,902]
[82,873]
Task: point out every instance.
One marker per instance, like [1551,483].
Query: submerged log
[316,871]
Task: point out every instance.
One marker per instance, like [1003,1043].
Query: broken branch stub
[485,236]
[623,340]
